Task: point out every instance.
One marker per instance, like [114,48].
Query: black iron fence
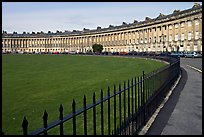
[124,111]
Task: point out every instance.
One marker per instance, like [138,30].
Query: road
[182,113]
[195,62]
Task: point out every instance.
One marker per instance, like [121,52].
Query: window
[145,40]
[170,38]
[170,26]
[155,39]
[189,36]
[160,38]
[164,27]
[164,38]
[182,24]
[189,23]
[196,22]
[176,25]
[195,43]
[130,40]
[141,41]
[182,36]
[176,37]
[196,35]
[150,40]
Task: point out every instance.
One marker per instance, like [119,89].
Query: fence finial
[61,112]
[45,115]
[25,126]
[61,108]
[73,105]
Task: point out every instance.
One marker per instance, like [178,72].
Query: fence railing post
[144,101]
[61,118]
[125,106]
[85,117]
[102,125]
[74,117]
[115,108]
[132,104]
[94,113]
[45,117]
[139,102]
[129,106]
[25,126]
[109,126]
[120,113]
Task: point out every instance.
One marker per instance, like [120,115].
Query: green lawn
[33,83]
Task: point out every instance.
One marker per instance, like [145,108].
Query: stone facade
[181,30]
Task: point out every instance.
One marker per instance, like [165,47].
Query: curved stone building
[181,30]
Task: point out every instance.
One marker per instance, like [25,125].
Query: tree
[97,48]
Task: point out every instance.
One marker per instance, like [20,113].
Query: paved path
[182,113]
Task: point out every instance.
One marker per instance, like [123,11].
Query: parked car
[142,53]
[178,54]
[72,52]
[106,53]
[193,55]
[123,53]
[89,53]
[56,52]
[132,53]
[97,53]
[82,53]
[165,54]
[115,53]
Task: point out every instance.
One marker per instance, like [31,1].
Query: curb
[152,119]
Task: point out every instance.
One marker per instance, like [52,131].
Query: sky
[53,16]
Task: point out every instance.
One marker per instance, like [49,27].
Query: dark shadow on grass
[165,113]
